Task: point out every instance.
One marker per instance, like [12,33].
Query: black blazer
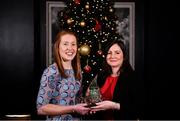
[125,93]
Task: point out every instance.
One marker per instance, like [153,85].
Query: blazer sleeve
[126,94]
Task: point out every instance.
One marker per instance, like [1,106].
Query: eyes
[68,43]
[114,52]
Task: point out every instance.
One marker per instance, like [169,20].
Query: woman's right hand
[81,108]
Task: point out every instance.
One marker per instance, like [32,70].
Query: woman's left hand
[105,105]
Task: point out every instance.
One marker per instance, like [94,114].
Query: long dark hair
[75,62]
[124,69]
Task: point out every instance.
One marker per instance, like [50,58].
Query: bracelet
[73,111]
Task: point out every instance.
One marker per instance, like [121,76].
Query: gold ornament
[84,50]
[82,23]
[105,18]
[70,20]
[111,10]
[87,6]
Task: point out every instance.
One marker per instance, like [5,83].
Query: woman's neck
[115,71]
[67,65]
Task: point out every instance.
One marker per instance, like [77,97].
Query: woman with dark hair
[117,86]
[61,82]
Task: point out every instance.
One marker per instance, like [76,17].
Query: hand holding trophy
[93,94]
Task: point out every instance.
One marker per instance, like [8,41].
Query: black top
[125,93]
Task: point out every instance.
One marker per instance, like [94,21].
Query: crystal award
[94,95]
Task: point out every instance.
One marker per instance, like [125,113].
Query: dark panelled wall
[162,59]
[16,56]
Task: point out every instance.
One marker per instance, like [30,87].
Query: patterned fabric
[55,89]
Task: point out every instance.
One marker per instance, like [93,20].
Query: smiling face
[68,47]
[115,56]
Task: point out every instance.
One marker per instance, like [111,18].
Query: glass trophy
[94,94]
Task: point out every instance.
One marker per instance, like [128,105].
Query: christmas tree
[94,21]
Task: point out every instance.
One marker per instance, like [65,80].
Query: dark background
[22,56]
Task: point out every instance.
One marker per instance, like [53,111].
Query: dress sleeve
[47,85]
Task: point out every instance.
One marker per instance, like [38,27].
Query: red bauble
[97,26]
[77,1]
[87,69]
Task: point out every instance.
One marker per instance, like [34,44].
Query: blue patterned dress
[55,89]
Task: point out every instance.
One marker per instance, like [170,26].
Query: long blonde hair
[57,57]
